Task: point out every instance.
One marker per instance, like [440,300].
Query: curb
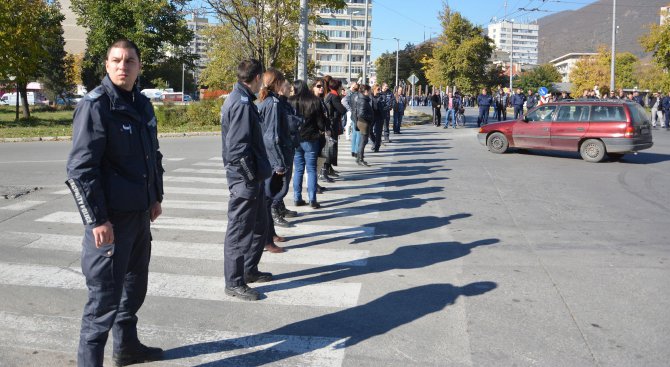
[68,138]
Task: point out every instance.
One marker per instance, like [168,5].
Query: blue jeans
[305,158]
[452,113]
[397,121]
[355,138]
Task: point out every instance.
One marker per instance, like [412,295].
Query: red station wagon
[594,128]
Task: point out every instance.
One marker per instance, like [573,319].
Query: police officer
[666,110]
[247,166]
[518,100]
[484,102]
[436,103]
[115,174]
[389,103]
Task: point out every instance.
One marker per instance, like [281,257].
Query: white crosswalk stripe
[54,333]
[207,251]
[212,225]
[279,292]
[22,205]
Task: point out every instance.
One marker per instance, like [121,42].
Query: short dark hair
[124,43]
[248,70]
[334,84]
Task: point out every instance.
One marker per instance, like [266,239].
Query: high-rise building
[200,44]
[74,35]
[341,56]
[519,38]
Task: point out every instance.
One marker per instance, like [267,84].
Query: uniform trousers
[387,120]
[246,235]
[116,278]
[483,115]
[518,111]
[376,133]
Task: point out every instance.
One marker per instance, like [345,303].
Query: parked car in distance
[69,100]
[594,128]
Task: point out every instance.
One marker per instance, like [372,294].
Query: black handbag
[329,150]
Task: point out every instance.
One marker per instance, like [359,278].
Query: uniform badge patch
[244,99]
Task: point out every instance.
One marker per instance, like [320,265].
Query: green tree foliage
[156,26]
[651,76]
[657,41]
[28,33]
[169,72]
[595,70]
[54,67]
[542,76]
[409,62]
[264,29]
[461,55]
[225,53]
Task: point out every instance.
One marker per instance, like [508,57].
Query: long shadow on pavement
[346,327]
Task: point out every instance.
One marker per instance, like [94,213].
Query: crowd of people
[269,146]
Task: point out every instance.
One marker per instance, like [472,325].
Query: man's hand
[103,234]
[156,211]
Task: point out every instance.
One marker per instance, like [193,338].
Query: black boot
[278,219]
[332,172]
[138,354]
[323,176]
[285,212]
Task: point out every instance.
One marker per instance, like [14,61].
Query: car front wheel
[592,150]
[497,143]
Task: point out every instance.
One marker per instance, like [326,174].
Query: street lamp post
[365,46]
[613,45]
[511,55]
[351,31]
[397,52]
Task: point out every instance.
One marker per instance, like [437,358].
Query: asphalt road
[439,254]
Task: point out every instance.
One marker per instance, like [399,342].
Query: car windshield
[638,115]
[542,113]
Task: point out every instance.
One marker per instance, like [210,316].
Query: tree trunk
[22,89]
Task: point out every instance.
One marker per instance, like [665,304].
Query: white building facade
[519,38]
[564,64]
[345,29]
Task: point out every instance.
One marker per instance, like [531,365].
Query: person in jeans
[309,106]
[347,103]
[365,114]
[352,100]
[398,110]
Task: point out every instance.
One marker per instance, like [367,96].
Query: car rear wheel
[592,150]
[497,143]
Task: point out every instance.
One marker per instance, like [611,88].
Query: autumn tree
[409,62]
[157,27]
[461,55]
[53,69]
[595,70]
[544,75]
[267,29]
[657,41]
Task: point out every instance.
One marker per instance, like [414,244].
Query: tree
[595,70]
[461,54]
[53,69]
[409,62]
[657,41]
[27,34]
[651,76]
[156,26]
[542,76]
[265,27]
[224,55]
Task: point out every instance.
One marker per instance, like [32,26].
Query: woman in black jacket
[309,106]
[336,111]
[378,119]
[365,116]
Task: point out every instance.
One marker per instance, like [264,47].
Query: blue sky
[409,20]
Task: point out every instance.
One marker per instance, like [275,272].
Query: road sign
[413,79]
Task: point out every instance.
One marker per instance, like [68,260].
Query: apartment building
[342,55]
[519,38]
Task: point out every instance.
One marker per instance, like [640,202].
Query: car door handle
[580,129]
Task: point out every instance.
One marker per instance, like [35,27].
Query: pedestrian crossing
[195,207]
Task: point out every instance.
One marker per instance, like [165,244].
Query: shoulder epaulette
[95,93]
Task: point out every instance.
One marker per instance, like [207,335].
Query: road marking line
[209,164]
[61,192]
[208,251]
[184,346]
[173,159]
[214,225]
[367,198]
[280,292]
[208,180]
[219,171]
[23,205]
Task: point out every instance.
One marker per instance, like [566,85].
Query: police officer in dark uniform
[247,166]
[517,102]
[116,176]
[531,100]
[484,102]
[389,103]
[665,103]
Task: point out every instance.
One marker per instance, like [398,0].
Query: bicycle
[460,118]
